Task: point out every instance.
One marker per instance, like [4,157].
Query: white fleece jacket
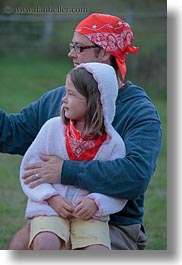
[51,140]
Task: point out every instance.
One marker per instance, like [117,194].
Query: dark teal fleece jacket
[138,123]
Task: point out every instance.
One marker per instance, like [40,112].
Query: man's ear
[105,56]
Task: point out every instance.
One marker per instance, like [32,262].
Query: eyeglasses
[79,49]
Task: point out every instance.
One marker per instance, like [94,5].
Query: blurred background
[46,29]
[34,42]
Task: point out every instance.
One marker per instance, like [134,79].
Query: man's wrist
[69,172]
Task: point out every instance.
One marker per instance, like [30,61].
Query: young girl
[65,217]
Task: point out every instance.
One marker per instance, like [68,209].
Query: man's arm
[17,131]
[127,177]
[138,123]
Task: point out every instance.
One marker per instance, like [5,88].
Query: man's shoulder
[133,101]
[134,96]
[131,91]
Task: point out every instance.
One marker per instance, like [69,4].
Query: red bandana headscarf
[111,33]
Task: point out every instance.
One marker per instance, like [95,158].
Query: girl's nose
[64,99]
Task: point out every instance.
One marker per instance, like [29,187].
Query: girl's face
[74,104]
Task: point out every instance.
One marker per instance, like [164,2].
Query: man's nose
[72,54]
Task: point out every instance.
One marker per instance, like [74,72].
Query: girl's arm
[106,205]
[44,191]
[97,206]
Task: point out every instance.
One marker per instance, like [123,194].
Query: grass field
[23,80]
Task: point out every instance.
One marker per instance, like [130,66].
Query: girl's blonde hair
[86,85]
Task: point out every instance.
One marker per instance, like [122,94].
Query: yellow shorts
[81,233]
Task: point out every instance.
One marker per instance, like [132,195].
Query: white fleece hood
[106,78]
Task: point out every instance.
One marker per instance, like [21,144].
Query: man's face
[87,55]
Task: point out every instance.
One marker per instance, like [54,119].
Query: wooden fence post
[47,32]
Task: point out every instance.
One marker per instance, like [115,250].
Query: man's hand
[48,171]
[62,206]
[85,208]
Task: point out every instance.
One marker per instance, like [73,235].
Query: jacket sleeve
[42,191]
[17,131]
[106,205]
[126,177]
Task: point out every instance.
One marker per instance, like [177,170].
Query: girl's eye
[70,93]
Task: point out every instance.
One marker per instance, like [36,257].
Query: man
[106,39]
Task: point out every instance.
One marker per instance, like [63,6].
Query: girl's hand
[62,206]
[85,208]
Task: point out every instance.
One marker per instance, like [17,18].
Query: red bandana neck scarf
[111,33]
[81,147]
